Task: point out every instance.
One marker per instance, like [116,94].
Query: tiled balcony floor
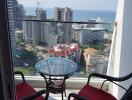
[58,96]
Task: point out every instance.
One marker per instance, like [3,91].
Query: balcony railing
[83,42]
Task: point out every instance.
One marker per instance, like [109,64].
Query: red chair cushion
[24,89]
[95,94]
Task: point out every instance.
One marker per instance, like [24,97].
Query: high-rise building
[27,31]
[64,14]
[41,27]
[10,6]
[19,13]
[51,30]
[53,37]
[35,32]
[40,14]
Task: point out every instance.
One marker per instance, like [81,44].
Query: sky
[109,5]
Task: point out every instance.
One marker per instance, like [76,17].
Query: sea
[79,15]
[82,15]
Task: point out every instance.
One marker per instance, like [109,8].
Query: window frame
[7,87]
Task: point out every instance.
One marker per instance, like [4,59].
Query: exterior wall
[43,33]
[27,31]
[59,14]
[35,32]
[121,60]
[68,16]
[76,34]
[96,64]
[52,40]
[40,14]
[19,14]
[51,33]
[64,14]
[19,35]
[88,36]
[10,7]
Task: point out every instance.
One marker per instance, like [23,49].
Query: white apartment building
[40,14]
[36,32]
[19,14]
[88,35]
[76,33]
[52,40]
[52,35]
[27,31]
[64,14]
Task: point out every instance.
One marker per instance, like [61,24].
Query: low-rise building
[70,51]
[94,62]
[19,35]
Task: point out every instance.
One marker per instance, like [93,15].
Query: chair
[91,93]
[24,91]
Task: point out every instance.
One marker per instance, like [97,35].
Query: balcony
[40,39]
[120,54]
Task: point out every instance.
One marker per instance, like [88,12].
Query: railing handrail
[78,22]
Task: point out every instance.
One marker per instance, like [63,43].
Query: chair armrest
[77,96]
[20,73]
[128,94]
[32,97]
[109,77]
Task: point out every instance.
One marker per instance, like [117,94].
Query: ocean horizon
[79,15]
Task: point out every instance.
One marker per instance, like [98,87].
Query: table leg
[62,95]
[47,88]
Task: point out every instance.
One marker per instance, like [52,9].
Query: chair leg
[47,95]
[62,95]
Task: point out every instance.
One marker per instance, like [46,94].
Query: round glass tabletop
[55,66]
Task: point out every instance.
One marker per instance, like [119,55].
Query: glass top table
[55,71]
[55,66]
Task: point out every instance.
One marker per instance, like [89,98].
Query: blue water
[83,15]
[80,15]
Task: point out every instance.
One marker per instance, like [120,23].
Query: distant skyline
[106,5]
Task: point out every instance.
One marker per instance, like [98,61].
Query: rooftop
[90,51]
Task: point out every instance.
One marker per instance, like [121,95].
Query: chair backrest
[128,94]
